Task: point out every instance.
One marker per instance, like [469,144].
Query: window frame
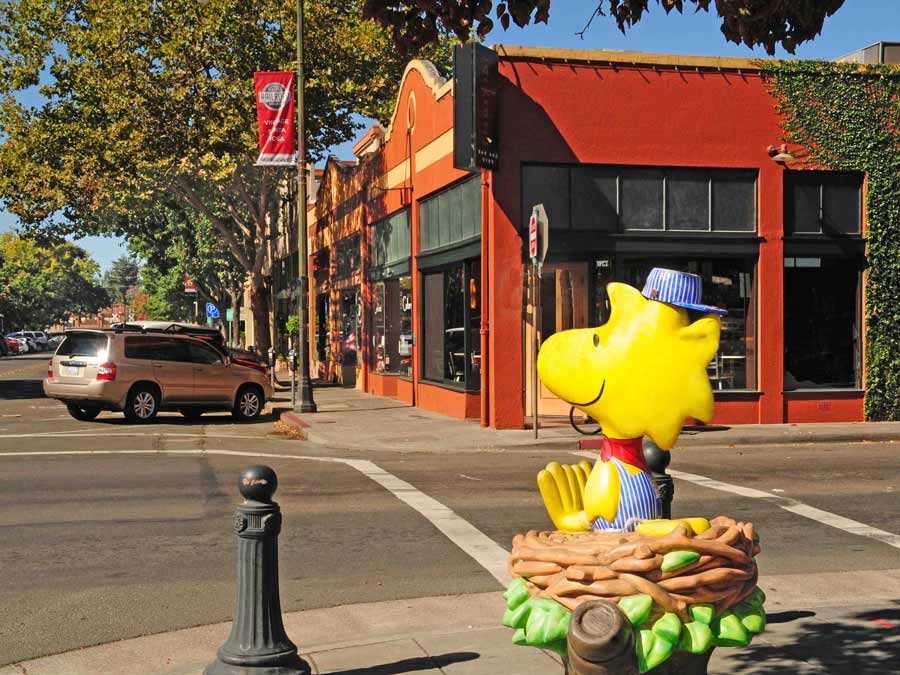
[821,180]
[858,319]
[467,385]
[667,173]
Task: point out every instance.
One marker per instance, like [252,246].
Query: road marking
[791,505]
[484,550]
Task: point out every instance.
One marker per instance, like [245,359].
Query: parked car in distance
[55,340]
[25,344]
[40,338]
[30,341]
[208,334]
[12,345]
[142,373]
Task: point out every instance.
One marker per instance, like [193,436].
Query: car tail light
[106,371]
[49,368]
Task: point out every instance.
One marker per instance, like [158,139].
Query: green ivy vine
[847,117]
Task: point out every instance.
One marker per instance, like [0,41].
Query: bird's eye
[596,340]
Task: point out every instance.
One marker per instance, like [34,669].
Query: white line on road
[484,550]
[791,505]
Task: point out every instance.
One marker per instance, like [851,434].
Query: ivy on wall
[847,117]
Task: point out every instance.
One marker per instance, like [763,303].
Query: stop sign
[532,236]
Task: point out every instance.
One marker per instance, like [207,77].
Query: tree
[150,104]
[44,284]
[416,23]
[120,278]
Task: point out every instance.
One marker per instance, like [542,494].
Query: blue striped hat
[678,288]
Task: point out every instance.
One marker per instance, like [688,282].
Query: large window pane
[642,199]
[451,216]
[473,309]
[734,202]
[433,325]
[454,325]
[821,323]
[727,283]
[687,200]
[388,340]
[405,338]
[547,185]
[594,199]
[841,208]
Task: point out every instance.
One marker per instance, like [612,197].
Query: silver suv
[142,374]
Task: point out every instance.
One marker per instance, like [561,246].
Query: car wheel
[248,403]
[82,413]
[191,413]
[142,404]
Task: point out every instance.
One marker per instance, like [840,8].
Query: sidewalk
[349,419]
[811,630]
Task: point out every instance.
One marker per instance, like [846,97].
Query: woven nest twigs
[574,567]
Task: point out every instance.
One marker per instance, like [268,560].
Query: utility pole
[307,404]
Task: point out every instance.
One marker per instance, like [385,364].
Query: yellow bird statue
[641,373]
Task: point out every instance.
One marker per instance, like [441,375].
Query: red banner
[189,286]
[275,114]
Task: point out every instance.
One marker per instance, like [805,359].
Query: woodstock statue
[615,589]
[643,372]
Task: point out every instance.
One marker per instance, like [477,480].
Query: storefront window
[452,324]
[350,325]
[727,283]
[821,323]
[392,326]
[823,202]
[611,199]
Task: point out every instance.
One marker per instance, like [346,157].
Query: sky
[857,24]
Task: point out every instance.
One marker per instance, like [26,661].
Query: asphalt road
[100,547]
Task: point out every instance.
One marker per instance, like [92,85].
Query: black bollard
[658,460]
[257,644]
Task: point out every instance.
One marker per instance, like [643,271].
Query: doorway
[564,294]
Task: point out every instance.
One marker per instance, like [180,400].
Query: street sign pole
[538,236]
[307,404]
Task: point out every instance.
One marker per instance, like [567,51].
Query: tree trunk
[236,295]
[259,305]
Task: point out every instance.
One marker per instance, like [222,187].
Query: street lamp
[306,403]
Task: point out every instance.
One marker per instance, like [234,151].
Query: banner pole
[307,404]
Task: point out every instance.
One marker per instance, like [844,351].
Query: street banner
[189,285]
[275,117]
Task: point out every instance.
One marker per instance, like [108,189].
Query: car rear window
[83,344]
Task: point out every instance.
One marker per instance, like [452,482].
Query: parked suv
[144,373]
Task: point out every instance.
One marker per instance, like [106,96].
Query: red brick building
[421,270]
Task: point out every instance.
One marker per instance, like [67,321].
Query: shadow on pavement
[865,643]
[412,665]
[21,389]
[211,419]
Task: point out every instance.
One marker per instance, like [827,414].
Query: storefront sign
[189,285]
[275,117]
[475,118]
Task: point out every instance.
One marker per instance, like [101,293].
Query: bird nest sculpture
[681,591]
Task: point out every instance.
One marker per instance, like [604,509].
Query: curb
[689,439]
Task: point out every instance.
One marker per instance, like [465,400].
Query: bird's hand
[562,489]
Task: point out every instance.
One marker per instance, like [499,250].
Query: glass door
[564,295]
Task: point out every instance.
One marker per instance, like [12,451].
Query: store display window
[728,283]
[451,319]
[822,323]
[392,334]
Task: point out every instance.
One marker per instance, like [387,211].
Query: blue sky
[857,24]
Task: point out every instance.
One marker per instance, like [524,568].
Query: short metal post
[292,361]
[257,644]
[272,366]
[658,459]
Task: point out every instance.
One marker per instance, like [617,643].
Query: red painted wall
[597,113]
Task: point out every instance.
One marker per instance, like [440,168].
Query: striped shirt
[637,500]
